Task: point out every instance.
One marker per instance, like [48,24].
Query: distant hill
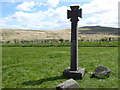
[86,32]
[96,27]
[99,30]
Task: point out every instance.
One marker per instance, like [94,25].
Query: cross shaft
[74,14]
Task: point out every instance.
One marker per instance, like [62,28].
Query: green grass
[42,67]
[97,43]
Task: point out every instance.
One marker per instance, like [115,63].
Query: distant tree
[82,39]
[66,40]
[110,39]
[105,39]
[61,40]
[87,39]
[8,42]
[15,40]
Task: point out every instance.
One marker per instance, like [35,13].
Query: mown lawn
[42,67]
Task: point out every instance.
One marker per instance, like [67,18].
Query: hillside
[99,30]
[87,32]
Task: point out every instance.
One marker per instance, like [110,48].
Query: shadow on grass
[38,82]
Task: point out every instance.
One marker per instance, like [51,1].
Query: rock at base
[68,85]
[101,72]
[74,74]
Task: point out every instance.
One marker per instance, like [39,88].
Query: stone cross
[74,71]
[74,14]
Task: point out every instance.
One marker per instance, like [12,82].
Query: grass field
[42,67]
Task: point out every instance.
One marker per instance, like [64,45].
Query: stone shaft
[73,15]
[74,47]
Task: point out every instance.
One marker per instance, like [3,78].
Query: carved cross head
[74,13]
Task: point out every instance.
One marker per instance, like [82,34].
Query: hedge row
[63,44]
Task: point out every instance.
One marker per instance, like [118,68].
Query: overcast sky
[52,14]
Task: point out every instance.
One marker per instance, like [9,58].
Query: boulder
[101,72]
[68,85]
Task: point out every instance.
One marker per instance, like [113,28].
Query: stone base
[74,74]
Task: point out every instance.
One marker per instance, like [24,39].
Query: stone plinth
[74,74]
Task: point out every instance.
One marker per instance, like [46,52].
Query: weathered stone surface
[74,74]
[101,72]
[68,85]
